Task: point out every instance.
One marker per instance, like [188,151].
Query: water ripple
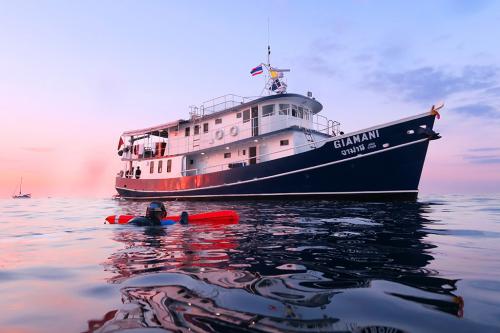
[314,266]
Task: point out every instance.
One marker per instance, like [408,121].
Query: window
[284,142]
[301,112]
[243,152]
[160,166]
[246,116]
[196,129]
[169,165]
[284,109]
[218,121]
[160,148]
[294,110]
[191,162]
[151,166]
[187,131]
[205,128]
[238,115]
[267,110]
[227,155]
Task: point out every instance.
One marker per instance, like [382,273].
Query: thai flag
[120,143]
[257,70]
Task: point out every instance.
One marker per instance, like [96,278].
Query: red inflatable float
[219,217]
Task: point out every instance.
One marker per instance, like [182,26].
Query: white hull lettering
[355,139]
[353,150]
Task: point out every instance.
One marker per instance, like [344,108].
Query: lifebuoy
[219,134]
[234,131]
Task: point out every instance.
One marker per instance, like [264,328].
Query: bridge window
[301,112]
[267,110]
[294,110]
[196,129]
[187,131]
[246,116]
[218,121]
[169,165]
[160,166]
[238,115]
[306,114]
[284,109]
[205,128]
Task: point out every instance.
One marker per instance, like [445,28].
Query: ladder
[196,143]
[309,138]
[196,137]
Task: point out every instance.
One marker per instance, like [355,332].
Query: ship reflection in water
[357,267]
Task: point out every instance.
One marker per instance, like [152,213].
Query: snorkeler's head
[156,210]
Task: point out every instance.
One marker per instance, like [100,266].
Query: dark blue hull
[381,162]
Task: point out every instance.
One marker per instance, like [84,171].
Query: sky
[74,75]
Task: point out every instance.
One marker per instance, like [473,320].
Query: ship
[276,145]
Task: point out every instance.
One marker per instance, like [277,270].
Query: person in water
[155,213]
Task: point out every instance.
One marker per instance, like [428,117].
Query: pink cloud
[39,149]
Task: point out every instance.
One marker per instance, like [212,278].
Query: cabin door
[255,121]
[252,153]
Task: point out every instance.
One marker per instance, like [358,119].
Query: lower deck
[256,150]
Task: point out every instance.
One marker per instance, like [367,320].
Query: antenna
[268,44]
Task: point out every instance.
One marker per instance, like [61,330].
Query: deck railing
[193,143]
[217,104]
[244,162]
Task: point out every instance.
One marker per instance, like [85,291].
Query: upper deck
[226,120]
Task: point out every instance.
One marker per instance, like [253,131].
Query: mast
[20,185]
[268,46]
[275,82]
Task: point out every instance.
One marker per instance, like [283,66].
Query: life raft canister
[219,134]
[234,131]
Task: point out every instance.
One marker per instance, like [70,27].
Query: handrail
[275,152]
[211,105]
[323,128]
[184,172]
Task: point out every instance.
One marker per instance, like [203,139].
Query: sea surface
[287,266]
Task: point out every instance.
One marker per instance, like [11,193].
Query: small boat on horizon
[21,195]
